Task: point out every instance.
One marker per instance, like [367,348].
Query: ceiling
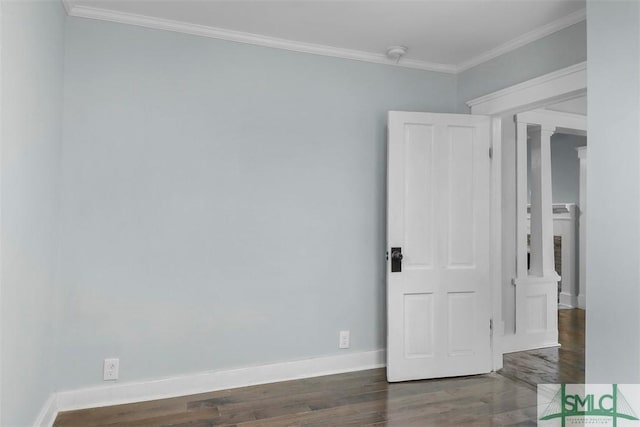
[442,35]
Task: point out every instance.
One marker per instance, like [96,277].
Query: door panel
[460,213]
[418,185]
[438,213]
[418,318]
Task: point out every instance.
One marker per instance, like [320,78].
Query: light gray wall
[565,167]
[32,67]
[223,204]
[553,52]
[613,193]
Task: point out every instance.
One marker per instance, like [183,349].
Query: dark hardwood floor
[365,398]
[552,365]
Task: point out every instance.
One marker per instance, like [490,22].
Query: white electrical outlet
[344,339]
[111,369]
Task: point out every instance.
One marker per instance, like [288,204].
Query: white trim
[525,39]
[140,391]
[554,120]
[248,38]
[582,302]
[513,343]
[566,83]
[535,280]
[582,152]
[496,243]
[82,11]
[48,413]
[582,229]
[1,185]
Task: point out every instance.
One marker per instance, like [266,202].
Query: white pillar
[521,200]
[582,229]
[542,256]
[536,290]
[535,212]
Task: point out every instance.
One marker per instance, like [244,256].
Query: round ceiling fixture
[396,52]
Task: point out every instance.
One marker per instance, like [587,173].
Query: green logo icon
[565,405]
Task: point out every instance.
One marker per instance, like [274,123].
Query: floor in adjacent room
[365,398]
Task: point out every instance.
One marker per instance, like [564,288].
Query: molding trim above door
[560,85]
[560,121]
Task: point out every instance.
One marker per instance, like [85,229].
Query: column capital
[582,152]
[547,127]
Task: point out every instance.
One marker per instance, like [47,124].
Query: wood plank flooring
[552,365]
[365,398]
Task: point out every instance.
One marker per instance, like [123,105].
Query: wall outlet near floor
[111,369]
[345,339]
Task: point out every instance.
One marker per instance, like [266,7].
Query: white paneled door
[438,235]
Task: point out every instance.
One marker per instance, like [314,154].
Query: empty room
[319,213]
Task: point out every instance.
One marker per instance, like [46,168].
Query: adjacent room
[318,213]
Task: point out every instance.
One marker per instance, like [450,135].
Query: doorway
[536,316]
[568,156]
[523,297]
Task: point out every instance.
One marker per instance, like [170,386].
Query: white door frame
[560,85]
[582,229]
[1,143]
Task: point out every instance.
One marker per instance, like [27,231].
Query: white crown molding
[247,38]
[81,11]
[524,39]
[141,391]
[563,84]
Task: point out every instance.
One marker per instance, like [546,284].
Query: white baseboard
[48,413]
[582,302]
[140,391]
[513,343]
[567,301]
